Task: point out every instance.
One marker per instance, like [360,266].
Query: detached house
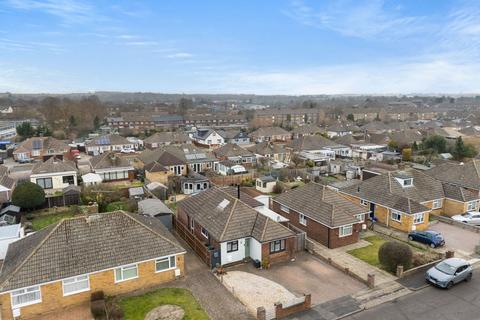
[54,175]
[236,154]
[161,164]
[111,167]
[225,230]
[208,138]
[270,134]
[404,200]
[306,130]
[107,143]
[41,148]
[235,136]
[274,152]
[63,264]
[325,215]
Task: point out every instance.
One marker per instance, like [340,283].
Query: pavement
[308,274]
[462,302]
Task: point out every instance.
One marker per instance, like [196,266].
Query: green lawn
[41,222]
[118,205]
[369,254]
[136,308]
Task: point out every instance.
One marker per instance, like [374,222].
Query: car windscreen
[445,268]
[466,215]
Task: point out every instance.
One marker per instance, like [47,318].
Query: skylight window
[222,205]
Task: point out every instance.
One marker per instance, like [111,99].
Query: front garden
[137,307]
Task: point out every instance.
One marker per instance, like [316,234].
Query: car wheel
[432,245]
[410,238]
[468,278]
[449,285]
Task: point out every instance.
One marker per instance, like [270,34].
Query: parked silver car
[471,217]
[449,272]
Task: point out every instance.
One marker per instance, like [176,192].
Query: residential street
[461,302]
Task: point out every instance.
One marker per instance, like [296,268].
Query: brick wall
[281,312]
[317,231]
[52,293]
[286,255]
[452,207]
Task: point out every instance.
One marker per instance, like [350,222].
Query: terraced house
[404,200]
[63,264]
[323,214]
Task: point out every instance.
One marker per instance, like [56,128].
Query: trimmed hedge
[393,253]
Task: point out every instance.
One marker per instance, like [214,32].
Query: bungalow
[322,213]
[108,143]
[41,148]
[208,137]
[339,130]
[54,175]
[111,167]
[270,134]
[235,136]
[404,200]
[273,152]
[225,230]
[306,130]
[466,175]
[115,252]
[320,145]
[161,164]
[236,154]
[161,139]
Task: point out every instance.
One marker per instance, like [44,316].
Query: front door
[372,210]
[247,248]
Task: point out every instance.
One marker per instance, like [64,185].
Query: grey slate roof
[316,142]
[236,220]
[108,160]
[266,147]
[110,139]
[5,180]
[307,129]
[269,131]
[458,193]
[85,244]
[168,137]
[53,165]
[466,175]
[232,150]
[321,204]
[162,156]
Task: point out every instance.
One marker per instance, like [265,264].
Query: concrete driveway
[308,274]
[461,240]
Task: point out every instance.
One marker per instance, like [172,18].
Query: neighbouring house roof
[406,137]
[307,129]
[204,133]
[269,131]
[108,140]
[316,142]
[232,150]
[83,245]
[462,174]
[458,193]
[5,180]
[245,197]
[155,167]
[153,207]
[339,127]
[91,177]
[53,165]
[469,131]
[164,157]
[108,160]
[167,137]
[321,204]
[226,217]
[10,231]
[266,147]
[155,185]
[50,144]
[193,176]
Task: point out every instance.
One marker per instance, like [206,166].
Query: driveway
[308,274]
[456,238]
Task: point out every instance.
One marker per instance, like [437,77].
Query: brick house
[236,154]
[112,167]
[41,148]
[322,213]
[225,229]
[403,200]
[161,139]
[64,263]
[270,134]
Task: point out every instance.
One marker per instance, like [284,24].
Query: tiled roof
[463,174]
[5,180]
[162,156]
[83,245]
[110,139]
[266,147]
[228,218]
[307,129]
[321,204]
[42,143]
[53,165]
[312,143]
[108,160]
[269,131]
[458,193]
[167,137]
[232,150]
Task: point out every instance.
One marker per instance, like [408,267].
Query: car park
[429,237]
[470,217]
[449,272]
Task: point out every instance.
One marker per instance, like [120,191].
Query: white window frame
[419,218]
[23,292]
[364,202]
[394,213]
[76,280]
[204,232]
[122,270]
[437,204]
[360,217]
[407,182]
[172,263]
[342,233]
[284,209]
[470,204]
[302,219]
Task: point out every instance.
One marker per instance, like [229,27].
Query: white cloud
[180,55]
[366,19]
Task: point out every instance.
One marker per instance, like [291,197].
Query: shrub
[116,313]
[278,188]
[97,295]
[392,254]
[28,195]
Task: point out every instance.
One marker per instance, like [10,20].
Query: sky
[248,46]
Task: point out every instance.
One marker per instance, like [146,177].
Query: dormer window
[404,181]
[407,182]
